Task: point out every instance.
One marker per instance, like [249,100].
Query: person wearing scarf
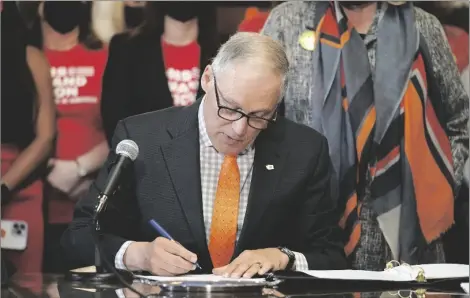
[379,81]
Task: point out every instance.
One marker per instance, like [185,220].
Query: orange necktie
[225,214]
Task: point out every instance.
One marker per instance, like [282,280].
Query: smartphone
[14,234]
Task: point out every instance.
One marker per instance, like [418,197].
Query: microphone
[127,150]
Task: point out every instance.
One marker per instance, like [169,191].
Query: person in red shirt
[28,130]
[77,64]
[254,20]
[158,65]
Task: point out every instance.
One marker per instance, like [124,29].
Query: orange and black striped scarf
[384,128]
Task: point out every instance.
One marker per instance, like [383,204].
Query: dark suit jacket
[134,81]
[288,206]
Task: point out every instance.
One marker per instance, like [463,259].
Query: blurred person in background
[253,20]
[113,17]
[77,62]
[393,137]
[158,65]
[28,131]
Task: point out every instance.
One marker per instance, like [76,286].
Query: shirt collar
[204,139]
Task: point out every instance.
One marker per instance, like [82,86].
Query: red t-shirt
[182,70]
[76,80]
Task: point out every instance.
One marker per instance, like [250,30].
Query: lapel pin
[307,40]
[270,167]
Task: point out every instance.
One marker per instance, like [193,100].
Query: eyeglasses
[230,114]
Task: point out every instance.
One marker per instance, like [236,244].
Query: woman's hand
[64,175]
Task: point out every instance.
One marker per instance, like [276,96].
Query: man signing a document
[239,189]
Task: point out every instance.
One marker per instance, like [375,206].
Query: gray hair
[248,46]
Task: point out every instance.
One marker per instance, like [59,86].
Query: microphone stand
[101,275]
[100,269]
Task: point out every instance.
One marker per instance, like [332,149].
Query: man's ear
[206,78]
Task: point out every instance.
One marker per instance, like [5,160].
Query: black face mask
[62,16]
[181,11]
[354,4]
[134,16]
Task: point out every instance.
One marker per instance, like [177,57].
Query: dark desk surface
[54,286]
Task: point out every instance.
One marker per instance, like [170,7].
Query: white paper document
[400,273]
[200,278]
[464,286]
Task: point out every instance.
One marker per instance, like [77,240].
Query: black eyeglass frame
[272,120]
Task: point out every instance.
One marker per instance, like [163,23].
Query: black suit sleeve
[323,247]
[115,94]
[118,221]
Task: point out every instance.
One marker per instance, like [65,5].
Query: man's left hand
[252,262]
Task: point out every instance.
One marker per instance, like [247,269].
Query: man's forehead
[248,74]
[235,86]
[250,96]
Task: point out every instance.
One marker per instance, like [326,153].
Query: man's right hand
[161,257]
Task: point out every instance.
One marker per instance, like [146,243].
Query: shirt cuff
[120,293]
[119,259]
[300,263]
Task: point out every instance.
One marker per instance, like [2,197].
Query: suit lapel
[181,156]
[268,165]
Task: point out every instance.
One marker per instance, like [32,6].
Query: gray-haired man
[241,190]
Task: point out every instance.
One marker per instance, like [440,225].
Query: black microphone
[127,150]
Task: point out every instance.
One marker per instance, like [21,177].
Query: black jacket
[289,206]
[135,81]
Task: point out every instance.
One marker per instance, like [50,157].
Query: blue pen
[165,234]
